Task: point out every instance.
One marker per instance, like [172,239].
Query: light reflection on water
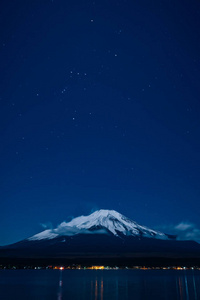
[141,289]
[60,286]
[96,289]
[99,284]
[195,291]
[180,288]
[101,288]
[186,286]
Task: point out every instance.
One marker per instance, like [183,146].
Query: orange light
[97,268]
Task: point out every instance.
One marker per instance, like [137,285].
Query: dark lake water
[99,284]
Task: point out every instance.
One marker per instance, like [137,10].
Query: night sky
[99,108]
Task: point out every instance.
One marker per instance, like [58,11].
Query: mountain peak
[105,213]
[102,221]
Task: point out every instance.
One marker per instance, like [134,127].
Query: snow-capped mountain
[100,222]
[103,237]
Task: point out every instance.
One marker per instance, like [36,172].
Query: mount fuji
[104,236]
[100,222]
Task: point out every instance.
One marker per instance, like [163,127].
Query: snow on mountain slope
[101,221]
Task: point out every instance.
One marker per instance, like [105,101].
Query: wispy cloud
[183,231]
[47,225]
[68,230]
[63,229]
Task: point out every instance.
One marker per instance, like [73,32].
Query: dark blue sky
[99,109]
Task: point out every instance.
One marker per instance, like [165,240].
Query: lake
[99,284]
